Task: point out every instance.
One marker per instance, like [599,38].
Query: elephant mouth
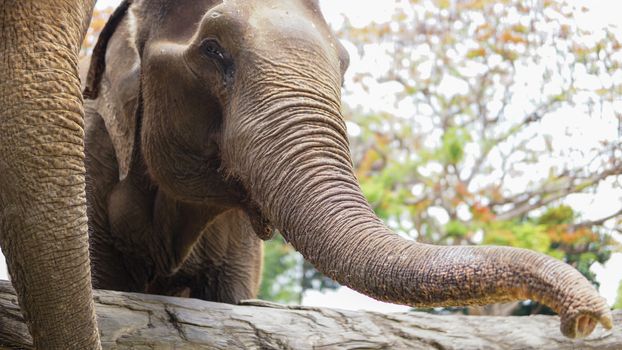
[261,225]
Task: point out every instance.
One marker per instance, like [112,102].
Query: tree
[98,21]
[474,82]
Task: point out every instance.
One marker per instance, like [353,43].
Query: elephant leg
[224,266]
[130,236]
[236,279]
[109,264]
[237,276]
[146,239]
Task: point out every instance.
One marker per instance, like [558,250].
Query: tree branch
[545,196]
[140,321]
[597,222]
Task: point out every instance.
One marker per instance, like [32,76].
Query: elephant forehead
[271,21]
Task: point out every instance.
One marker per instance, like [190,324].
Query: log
[138,321]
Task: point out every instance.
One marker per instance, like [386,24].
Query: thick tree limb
[546,196]
[154,322]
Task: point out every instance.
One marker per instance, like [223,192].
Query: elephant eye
[212,49]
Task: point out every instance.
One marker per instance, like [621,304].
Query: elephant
[43,219]
[210,124]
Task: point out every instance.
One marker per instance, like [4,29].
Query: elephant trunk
[43,224]
[305,185]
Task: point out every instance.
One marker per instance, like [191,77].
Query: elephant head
[238,102]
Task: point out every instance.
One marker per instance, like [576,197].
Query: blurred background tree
[618,303]
[98,21]
[480,147]
[479,138]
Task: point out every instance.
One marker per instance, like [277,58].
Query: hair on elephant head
[212,121]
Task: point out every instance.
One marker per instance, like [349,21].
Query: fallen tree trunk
[139,321]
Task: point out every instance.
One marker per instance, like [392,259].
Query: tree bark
[140,321]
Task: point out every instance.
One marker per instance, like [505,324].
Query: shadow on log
[139,321]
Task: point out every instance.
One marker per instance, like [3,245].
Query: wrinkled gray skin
[43,222]
[213,122]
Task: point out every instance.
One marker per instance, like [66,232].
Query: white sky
[362,12]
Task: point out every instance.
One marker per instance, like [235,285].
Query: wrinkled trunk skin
[305,184]
[43,228]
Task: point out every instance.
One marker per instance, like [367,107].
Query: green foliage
[518,234]
[280,280]
[456,228]
[454,141]
[560,215]
[552,233]
[618,303]
[286,275]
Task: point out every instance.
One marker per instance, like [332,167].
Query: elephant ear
[113,83]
